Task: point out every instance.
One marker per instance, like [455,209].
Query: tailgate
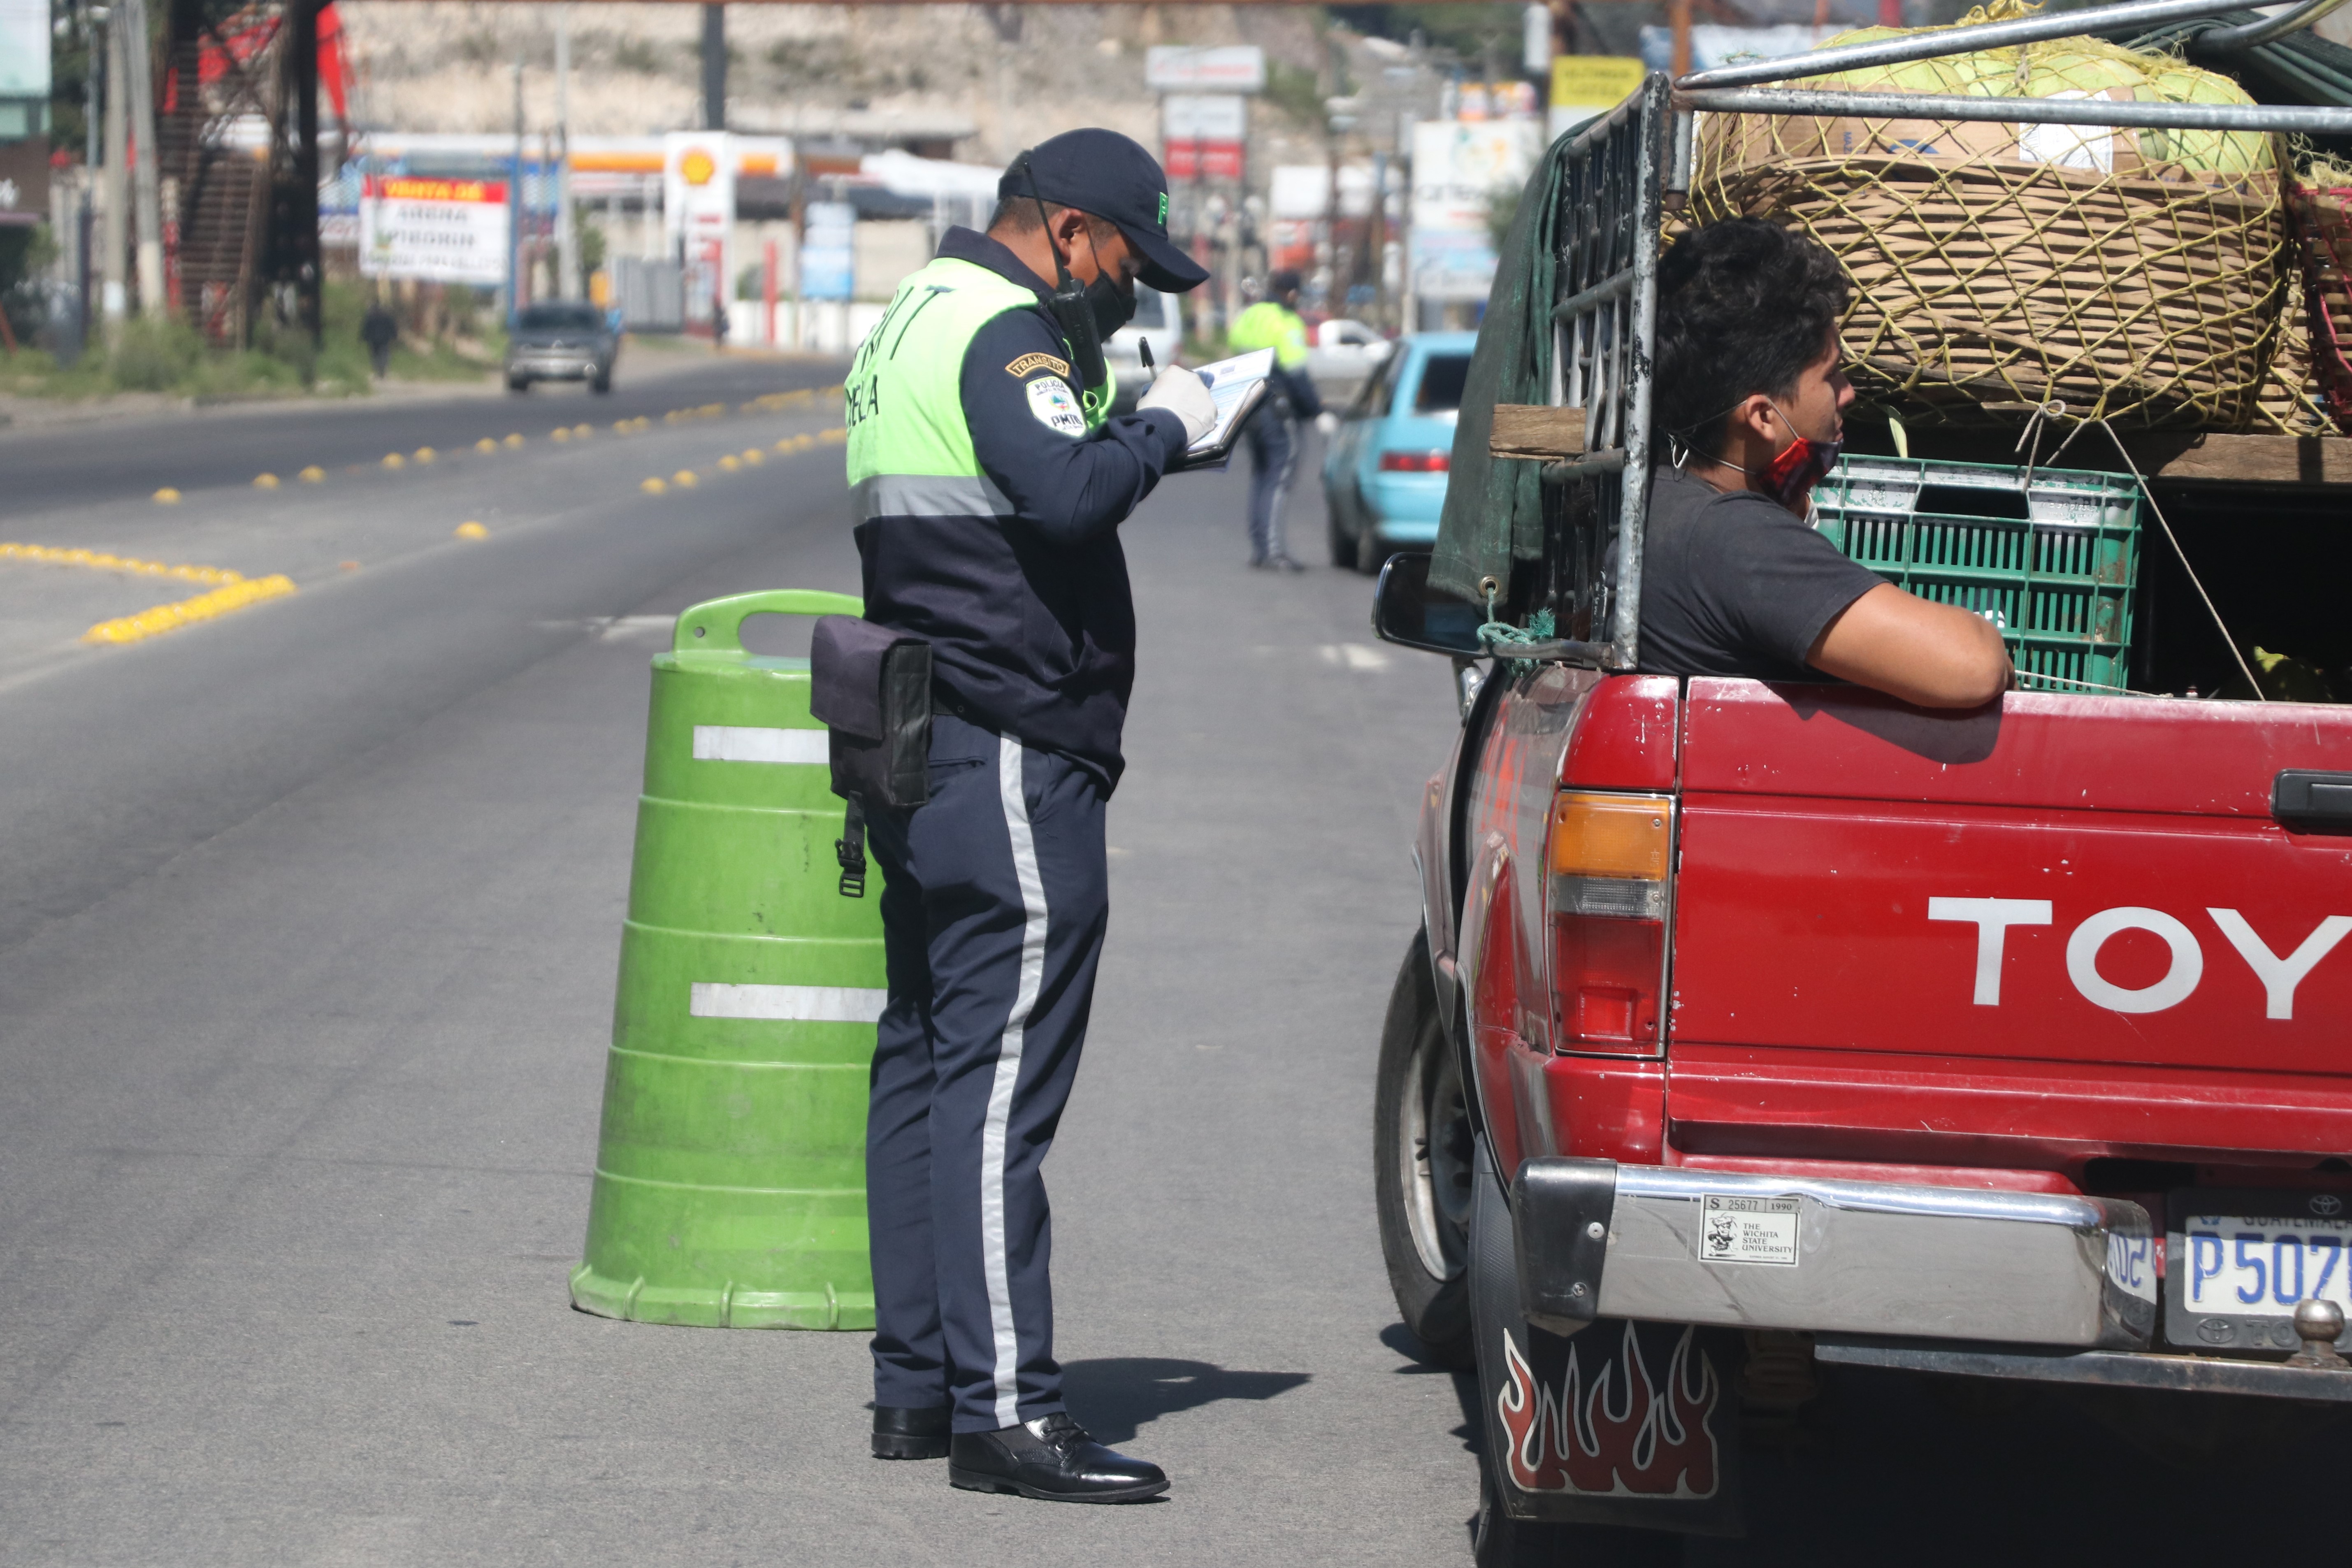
[2068,879]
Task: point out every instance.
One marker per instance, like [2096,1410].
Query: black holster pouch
[871,688]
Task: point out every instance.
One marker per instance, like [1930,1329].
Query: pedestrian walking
[1273,323]
[379,331]
[989,482]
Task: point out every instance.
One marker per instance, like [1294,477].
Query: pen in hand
[1143,351]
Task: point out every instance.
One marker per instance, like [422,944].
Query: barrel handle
[717,625]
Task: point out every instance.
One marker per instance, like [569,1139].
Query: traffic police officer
[989,483]
[1273,323]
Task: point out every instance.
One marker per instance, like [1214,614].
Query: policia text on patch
[988,482]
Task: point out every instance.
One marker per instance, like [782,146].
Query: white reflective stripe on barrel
[742,743]
[797,1004]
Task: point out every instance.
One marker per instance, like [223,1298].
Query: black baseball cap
[1111,176]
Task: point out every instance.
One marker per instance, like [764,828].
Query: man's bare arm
[1931,655]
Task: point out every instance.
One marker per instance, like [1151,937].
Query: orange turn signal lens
[1625,835]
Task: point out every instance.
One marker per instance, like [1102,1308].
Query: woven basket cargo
[2136,275]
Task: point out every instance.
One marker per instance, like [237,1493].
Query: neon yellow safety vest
[1267,325]
[909,450]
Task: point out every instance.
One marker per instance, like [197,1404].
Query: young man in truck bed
[1749,404]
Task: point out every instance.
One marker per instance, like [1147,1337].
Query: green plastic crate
[2057,582]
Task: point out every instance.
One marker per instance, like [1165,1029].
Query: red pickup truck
[1756,1026]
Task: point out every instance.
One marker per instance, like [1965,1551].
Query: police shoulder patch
[1026,364]
[1054,406]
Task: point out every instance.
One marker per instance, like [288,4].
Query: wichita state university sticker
[1056,408]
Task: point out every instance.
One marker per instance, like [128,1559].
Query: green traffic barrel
[730,1175]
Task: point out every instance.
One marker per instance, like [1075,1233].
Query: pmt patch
[1056,408]
[1026,364]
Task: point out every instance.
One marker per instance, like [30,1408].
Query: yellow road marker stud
[471,530]
[833,437]
[731,462]
[167,496]
[265,481]
[395,460]
[785,445]
[485,444]
[348,565]
[623,427]
[223,601]
[582,432]
[313,475]
[653,487]
[559,434]
[685,478]
[753,455]
[425,454]
[514,440]
[55,556]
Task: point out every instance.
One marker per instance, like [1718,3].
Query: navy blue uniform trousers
[1273,439]
[995,897]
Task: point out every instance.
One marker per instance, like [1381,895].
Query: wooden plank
[2243,460]
[1536,430]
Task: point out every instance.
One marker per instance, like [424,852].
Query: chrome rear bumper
[1597,1239]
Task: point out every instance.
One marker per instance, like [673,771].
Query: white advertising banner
[1459,169]
[1232,68]
[437,231]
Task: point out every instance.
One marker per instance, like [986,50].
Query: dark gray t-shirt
[1733,585]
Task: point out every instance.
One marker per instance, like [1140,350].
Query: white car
[1344,351]
[1156,321]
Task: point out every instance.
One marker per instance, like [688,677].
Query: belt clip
[850,850]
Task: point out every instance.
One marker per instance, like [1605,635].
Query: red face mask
[1798,466]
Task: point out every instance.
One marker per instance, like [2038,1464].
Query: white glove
[1327,423]
[1183,393]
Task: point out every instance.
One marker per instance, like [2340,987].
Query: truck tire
[1421,1166]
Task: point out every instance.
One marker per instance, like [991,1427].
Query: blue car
[1384,473]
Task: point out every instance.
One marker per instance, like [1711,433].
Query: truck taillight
[1610,859]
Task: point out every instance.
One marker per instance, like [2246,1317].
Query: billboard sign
[25,55]
[829,251]
[1459,167]
[438,231]
[1233,67]
[1204,134]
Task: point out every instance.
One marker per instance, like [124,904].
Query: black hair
[1018,214]
[1744,305]
[1283,282]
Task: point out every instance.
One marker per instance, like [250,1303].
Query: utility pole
[118,184]
[514,210]
[567,244]
[139,59]
[93,117]
[301,223]
[714,68]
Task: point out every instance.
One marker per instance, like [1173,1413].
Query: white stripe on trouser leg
[993,1153]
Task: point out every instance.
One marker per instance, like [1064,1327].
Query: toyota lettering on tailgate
[2280,973]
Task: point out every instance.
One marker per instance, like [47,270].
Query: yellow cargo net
[2136,275]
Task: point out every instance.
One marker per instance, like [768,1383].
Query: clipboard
[1240,386]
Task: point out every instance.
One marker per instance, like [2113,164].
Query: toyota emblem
[2326,1202]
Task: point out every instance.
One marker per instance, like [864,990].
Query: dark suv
[561,341]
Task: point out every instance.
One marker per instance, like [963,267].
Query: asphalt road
[308,922]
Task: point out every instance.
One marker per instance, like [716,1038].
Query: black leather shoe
[903,1434]
[1053,1460]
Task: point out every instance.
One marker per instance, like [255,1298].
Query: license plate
[2236,1263]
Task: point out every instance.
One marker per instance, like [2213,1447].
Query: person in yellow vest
[1273,323]
[989,482]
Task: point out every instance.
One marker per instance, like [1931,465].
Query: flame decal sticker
[1633,1444]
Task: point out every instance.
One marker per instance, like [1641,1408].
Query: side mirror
[1408,612]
